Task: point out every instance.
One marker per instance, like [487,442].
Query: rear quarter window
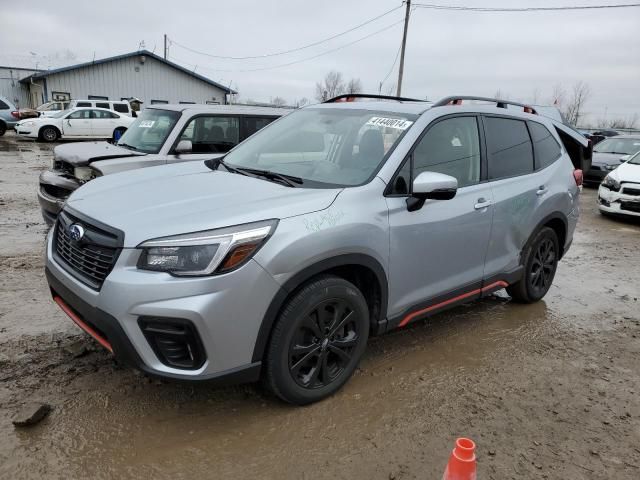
[509,148]
[3,106]
[545,147]
[119,107]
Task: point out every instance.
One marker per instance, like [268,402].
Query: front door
[77,124]
[438,251]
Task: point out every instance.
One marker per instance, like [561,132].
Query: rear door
[518,191]
[103,123]
[438,251]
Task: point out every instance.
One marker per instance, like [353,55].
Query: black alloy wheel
[317,340]
[540,261]
[323,345]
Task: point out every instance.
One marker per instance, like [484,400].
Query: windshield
[150,130]
[624,146]
[635,159]
[324,147]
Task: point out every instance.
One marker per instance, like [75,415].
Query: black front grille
[89,259]
[631,190]
[630,206]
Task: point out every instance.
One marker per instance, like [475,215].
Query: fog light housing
[175,342]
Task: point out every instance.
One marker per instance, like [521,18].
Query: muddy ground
[547,390]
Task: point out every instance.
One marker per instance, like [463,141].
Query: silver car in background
[339,221]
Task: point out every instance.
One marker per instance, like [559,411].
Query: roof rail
[350,97]
[457,100]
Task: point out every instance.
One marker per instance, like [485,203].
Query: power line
[284,52]
[434,6]
[392,67]
[303,59]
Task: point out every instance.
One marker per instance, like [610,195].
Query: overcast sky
[520,54]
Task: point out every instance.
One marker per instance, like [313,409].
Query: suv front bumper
[226,311]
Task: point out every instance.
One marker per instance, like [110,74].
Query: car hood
[627,172]
[606,158]
[188,197]
[83,153]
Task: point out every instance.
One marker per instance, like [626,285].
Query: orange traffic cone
[462,463]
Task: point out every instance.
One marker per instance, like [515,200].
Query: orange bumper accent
[78,321]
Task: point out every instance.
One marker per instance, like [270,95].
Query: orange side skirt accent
[430,308]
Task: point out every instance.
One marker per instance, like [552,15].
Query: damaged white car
[619,192]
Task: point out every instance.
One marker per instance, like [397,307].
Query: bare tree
[354,86]
[330,87]
[557,96]
[575,105]
[500,95]
[302,102]
[535,96]
[625,123]
[278,102]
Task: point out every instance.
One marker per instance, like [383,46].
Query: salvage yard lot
[548,390]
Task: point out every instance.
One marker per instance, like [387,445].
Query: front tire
[540,264]
[49,134]
[317,342]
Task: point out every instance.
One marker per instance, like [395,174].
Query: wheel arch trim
[307,273]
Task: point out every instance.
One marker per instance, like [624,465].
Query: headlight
[611,183]
[205,253]
[84,174]
[611,167]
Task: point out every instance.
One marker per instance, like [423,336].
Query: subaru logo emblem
[76,232]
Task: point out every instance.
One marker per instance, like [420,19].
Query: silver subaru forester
[334,223]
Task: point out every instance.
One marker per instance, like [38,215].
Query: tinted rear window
[119,107]
[3,106]
[546,149]
[509,147]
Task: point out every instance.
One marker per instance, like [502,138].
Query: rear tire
[3,128]
[49,134]
[317,342]
[540,264]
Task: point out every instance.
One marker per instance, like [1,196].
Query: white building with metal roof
[142,75]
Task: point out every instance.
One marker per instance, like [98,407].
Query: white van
[120,106]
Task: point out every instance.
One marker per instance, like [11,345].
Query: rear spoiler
[579,148]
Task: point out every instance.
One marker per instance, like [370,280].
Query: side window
[84,104]
[3,106]
[545,148]
[212,134]
[103,115]
[402,180]
[120,107]
[102,105]
[159,102]
[251,125]
[452,147]
[80,115]
[509,147]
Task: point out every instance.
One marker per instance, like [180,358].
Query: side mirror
[184,146]
[431,186]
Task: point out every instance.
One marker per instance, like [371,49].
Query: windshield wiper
[126,145]
[288,180]
[214,163]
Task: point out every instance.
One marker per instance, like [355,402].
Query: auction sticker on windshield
[399,123]
[146,124]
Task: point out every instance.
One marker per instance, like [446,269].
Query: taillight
[16,114]
[578,176]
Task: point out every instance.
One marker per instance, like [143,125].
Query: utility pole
[165,46]
[404,44]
